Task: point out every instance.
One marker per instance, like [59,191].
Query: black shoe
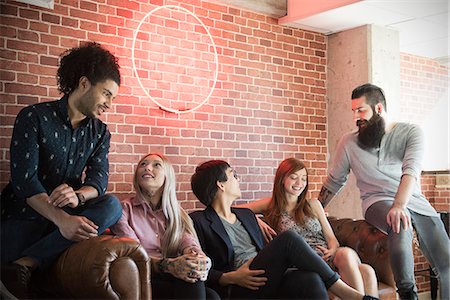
[16,279]
[408,295]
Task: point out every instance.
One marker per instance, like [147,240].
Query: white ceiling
[423,25]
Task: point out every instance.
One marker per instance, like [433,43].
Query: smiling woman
[155,219]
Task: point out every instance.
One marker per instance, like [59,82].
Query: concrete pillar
[364,54]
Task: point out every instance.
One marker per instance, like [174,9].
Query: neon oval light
[139,79]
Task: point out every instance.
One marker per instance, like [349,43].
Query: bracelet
[81,199]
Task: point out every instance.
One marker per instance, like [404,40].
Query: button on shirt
[147,226]
[46,152]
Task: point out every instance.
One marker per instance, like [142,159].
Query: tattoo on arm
[163,265]
[325,196]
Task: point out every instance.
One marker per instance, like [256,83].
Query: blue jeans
[433,242]
[41,240]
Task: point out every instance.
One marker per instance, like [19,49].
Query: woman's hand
[327,253]
[180,267]
[245,277]
[267,231]
[192,266]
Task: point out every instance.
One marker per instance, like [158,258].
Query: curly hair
[90,60]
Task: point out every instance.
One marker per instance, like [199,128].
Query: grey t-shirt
[378,172]
[241,241]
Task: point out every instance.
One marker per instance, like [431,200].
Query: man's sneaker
[16,279]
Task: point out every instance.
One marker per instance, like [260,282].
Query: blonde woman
[155,219]
[288,209]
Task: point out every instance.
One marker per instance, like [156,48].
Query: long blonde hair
[178,221]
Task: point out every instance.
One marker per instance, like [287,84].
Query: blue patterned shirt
[46,152]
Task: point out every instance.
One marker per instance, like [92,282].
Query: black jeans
[310,281]
[165,286]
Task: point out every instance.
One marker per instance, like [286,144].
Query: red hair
[279,201]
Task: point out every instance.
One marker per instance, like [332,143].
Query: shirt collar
[137,201]
[63,110]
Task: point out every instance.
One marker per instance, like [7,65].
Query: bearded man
[385,158]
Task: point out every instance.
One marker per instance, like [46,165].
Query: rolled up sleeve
[415,145]
[97,169]
[188,240]
[338,174]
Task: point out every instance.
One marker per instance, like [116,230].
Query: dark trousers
[166,286]
[41,240]
[310,281]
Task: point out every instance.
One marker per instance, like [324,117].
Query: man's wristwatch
[81,199]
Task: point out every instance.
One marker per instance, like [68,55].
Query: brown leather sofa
[371,245]
[105,267]
[108,267]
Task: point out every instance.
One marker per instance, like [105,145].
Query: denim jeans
[433,242]
[288,249]
[41,240]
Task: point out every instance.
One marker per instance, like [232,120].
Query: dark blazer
[216,244]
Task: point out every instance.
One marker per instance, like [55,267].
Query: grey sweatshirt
[378,171]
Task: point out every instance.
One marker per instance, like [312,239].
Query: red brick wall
[423,81]
[439,197]
[269,102]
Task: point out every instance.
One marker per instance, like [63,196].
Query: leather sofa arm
[369,242]
[104,267]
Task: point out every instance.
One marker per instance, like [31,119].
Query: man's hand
[77,228]
[267,231]
[325,196]
[63,195]
[397,215]
[245,277]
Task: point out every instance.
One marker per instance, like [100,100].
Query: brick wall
[423,82]
[439,197]
[268,104]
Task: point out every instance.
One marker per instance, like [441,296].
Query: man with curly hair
[59,169]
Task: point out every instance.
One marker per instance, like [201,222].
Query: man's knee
[111,202]
[111,209]
[113,206]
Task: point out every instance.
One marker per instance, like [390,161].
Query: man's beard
[370,135]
